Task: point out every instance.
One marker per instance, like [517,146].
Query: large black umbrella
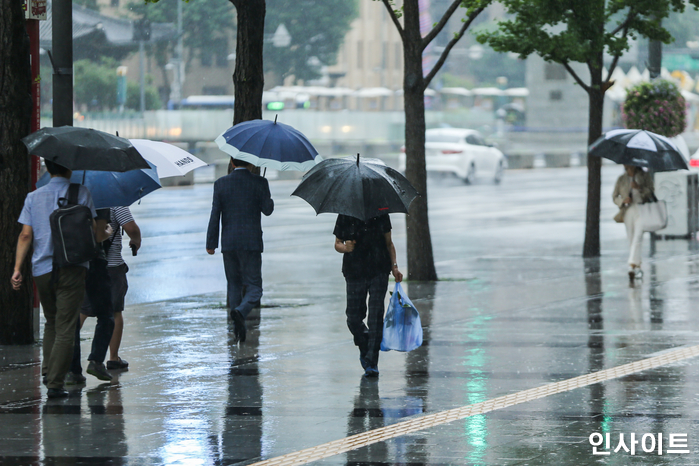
[640,148]
[362,189]
[84,149]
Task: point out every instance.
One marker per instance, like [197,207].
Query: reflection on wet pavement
[516,309]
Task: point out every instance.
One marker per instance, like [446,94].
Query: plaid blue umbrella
[114,189]
[269,144]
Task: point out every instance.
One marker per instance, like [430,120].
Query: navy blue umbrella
[114,189]
[269,144]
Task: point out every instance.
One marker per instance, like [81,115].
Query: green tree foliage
[583,31]
[406,19]
[656,106]
[317,29]
[91,4]
[203,22]
[96,84]
[493,65]
[133,96]
[682,27]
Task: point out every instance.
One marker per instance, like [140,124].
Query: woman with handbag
[633,188]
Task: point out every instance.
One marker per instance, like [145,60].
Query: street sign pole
[35,12]
[62,24]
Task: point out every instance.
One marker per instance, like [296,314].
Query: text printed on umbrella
[184,161]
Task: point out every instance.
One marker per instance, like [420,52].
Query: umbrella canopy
[114,189]
[362,189]
[84,149]
[640,148]
[269,144]
[170,160]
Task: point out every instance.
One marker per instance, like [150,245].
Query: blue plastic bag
[402,330]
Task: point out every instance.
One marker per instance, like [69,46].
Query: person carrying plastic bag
[368,257]
[402,329]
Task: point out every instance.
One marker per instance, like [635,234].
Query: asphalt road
[531,209]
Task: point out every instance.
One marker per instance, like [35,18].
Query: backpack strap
[73,191]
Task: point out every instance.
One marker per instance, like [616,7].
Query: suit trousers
[367,337]
[61,303]
[97,303]
[244,275]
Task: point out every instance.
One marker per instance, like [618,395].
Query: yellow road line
[354,442]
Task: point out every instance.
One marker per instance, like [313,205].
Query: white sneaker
[639,272]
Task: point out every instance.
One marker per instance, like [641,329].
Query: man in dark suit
[239,199]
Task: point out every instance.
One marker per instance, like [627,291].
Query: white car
[694,161]
[462,152]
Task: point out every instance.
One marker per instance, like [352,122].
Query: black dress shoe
[56,393]
[238,325]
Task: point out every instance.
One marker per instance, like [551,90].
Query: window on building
[555,72]
[555,95]
[216,54]
[221,47]
[360,54]
[213,90]
[206,57]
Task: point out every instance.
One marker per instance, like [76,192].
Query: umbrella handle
[357,159]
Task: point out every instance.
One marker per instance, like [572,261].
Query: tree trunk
[248,77]
[420,255]
[591,247]
[15,116]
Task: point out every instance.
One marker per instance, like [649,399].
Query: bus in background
[270,101]
[205,102]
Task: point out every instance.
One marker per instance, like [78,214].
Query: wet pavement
[516,308]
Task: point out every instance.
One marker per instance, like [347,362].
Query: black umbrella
[640,148]
[84,149]
[362,189]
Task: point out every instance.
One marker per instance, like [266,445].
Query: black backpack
[71,230]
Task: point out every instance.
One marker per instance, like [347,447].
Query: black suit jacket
[239,200]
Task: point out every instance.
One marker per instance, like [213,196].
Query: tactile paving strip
[406,427]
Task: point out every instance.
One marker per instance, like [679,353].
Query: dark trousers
[61,303]
[97,303]
[244,276]
[366,337]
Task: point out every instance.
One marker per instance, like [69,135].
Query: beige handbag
[619,217]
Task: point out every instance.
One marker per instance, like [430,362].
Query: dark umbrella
[84,149]
[269,144]
[114,189]
[640,148]
[362,189]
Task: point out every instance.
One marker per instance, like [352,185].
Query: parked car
[694,161]
[462,152]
